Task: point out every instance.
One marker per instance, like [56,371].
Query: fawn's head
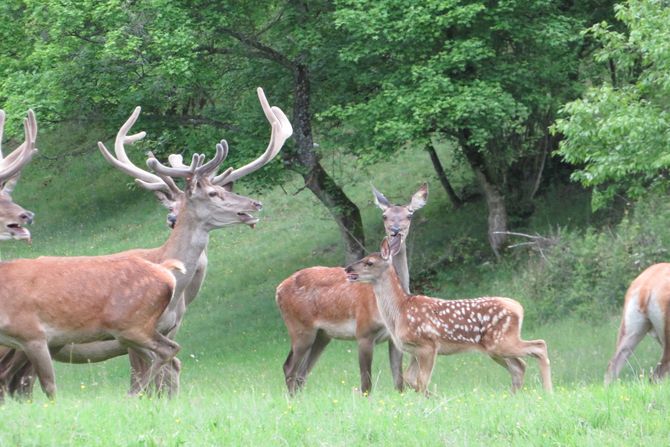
[370,268]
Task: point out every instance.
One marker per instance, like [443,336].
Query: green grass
[234,341]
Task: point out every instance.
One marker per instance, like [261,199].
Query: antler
[281,131]
[198,167]
[11,166]
[144,178]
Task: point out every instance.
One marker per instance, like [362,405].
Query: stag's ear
[165,199]
[419,198]
[381,201]
[9,185]
[385,249]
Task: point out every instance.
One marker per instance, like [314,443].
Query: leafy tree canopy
[618,133]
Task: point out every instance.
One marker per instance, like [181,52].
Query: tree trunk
[497,221]
[306,161]
[456,201]
[495,201]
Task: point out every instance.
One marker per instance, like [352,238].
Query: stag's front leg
[37,352]
[140,364]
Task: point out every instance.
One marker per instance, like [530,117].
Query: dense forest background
[366,80]
[542,127]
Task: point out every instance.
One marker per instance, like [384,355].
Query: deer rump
[81,299]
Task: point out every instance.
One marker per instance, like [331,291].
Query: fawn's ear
[395,244]
[385,249]
[419,198]
[381,201]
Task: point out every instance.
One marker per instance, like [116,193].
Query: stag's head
[372,267]
[207,195]
[12,215]
[204,197]
[398,218]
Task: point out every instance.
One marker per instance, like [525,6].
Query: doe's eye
[368,263]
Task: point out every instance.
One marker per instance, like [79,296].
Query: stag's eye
[213,194]
[385,217]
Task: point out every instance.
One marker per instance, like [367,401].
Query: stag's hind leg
[17,374]
[156,352]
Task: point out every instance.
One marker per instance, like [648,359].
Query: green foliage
[588,274]
[618,132]
[495,70]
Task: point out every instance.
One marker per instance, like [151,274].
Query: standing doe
[319,304]
[645,310]
[426,327]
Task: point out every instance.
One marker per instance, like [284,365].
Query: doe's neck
[401,267]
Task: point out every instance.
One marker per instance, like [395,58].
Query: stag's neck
[401,267]
[187,243]
[390,298]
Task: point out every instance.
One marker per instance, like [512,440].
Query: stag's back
[72,299]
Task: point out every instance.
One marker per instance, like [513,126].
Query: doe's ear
[381,201]
[419,198]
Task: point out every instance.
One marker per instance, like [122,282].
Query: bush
[587,274]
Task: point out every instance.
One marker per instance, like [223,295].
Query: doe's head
[398,218]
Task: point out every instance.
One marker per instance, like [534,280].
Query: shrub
[588,273]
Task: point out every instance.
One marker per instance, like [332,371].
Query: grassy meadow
[234,342]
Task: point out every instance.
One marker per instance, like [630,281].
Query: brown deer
[204,204]
[319,304]
[425,327]
[646,308]
[49,302]
[13,216]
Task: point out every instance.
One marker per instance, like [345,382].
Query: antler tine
[281,131]
[17,153]
[174,171]
[144,178]
[213,164]
[12,165]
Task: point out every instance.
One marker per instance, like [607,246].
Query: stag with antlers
[204,204]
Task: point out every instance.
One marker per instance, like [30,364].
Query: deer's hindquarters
[646,308]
